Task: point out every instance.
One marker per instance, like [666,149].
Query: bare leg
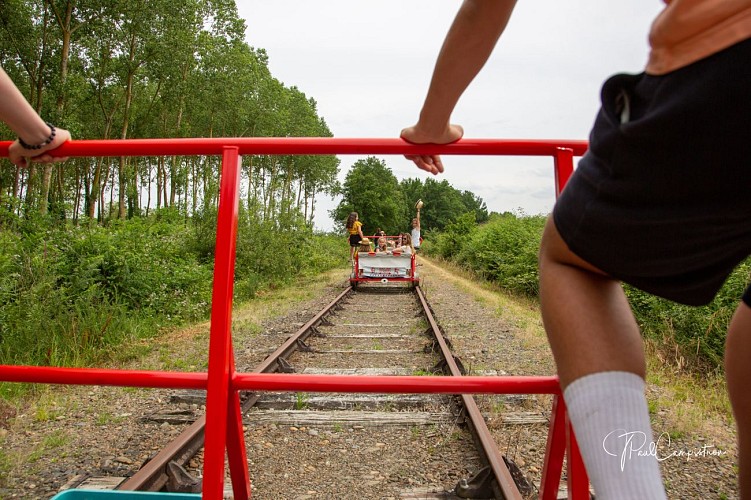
[588,320]
[600,358]
[738,373]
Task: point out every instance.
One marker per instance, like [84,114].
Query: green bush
[699,332]
[448,243]
[504,251]
[70,295]
[144,264]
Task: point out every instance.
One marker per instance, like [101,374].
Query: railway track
[394,446]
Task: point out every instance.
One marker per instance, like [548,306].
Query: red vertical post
[220,342]
[236,455]
[554,451]
[577,479]
[564,167]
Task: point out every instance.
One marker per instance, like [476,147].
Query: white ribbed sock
[609,413]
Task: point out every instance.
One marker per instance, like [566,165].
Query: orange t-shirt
[689,30]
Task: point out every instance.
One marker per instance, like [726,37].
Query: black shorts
[354,240]
[662,199]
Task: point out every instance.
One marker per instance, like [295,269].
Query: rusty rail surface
[153,475]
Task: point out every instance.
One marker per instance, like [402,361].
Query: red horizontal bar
[96,376]
[309,146]
[284,381]
[396,384]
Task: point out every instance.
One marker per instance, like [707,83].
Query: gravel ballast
[70,432]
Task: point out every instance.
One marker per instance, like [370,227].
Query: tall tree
[474,203]
[443,202]
[166,68]
[371,189]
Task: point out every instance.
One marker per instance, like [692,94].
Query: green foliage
[698,332]
[144,264]
[504,250]
[301,400]
[475,205]
[443,203]
[179,68]
[371,190]
[67,296]
[448,243]
[70,297]
[267,255]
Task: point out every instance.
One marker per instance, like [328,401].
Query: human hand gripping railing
[221,380]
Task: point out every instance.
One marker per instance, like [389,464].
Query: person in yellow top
[354,233]
[660,201]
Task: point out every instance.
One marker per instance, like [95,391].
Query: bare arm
[27,124]
[468,45]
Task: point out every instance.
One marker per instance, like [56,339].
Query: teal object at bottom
[122,495]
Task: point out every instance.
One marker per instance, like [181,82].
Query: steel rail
[153,477]
[506,487]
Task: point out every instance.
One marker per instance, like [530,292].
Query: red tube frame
[311,146]
[222,382]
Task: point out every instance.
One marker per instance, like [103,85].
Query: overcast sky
[368,65]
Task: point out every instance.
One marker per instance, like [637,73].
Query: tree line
[123,69]
[372,190]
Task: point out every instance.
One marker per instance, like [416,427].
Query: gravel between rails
[69,431]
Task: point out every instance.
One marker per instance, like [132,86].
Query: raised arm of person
[35,137]
[468,45]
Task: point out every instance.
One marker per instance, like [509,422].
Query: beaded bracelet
[43,144]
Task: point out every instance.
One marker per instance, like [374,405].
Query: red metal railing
[222,382]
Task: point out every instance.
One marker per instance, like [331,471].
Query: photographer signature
[630,444]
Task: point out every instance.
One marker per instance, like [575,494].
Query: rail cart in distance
[384,268]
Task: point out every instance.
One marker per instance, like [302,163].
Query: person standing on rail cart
[354,234]
[660,201]
[416,239]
